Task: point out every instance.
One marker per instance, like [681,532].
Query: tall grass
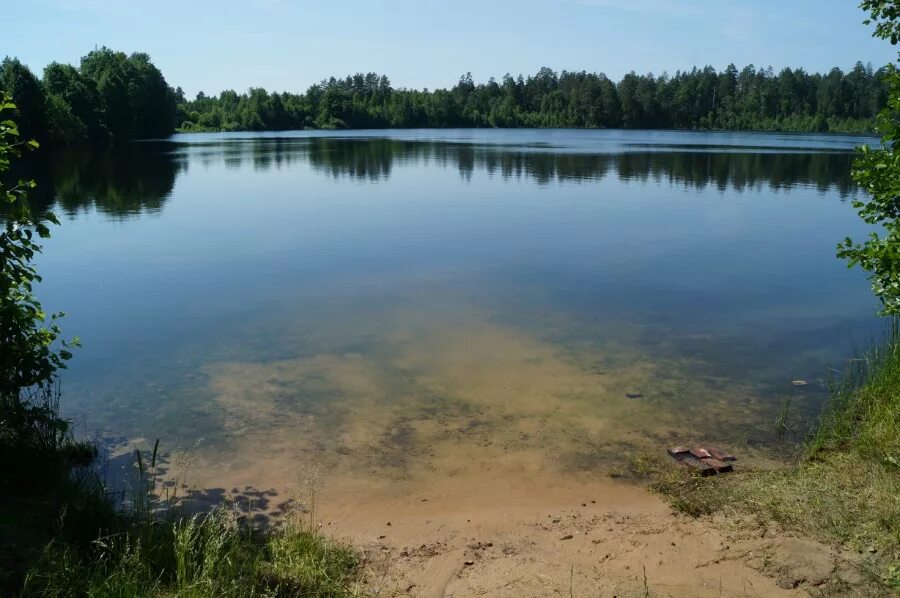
[863,415]
[47,489]
[210,554]
[33,438]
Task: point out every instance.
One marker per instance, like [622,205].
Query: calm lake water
[415,303]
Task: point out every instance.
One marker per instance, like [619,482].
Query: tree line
[110,95]
[114,95]
[748,99]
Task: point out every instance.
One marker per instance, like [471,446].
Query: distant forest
[111,95]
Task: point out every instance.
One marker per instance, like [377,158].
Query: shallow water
[413,305]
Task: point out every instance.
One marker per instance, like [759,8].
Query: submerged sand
[436,400]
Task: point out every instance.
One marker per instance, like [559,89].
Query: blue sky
[212,45]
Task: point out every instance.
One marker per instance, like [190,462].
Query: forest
[111,95]
[749,99]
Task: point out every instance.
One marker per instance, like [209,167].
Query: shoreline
[539,534]
[180,131]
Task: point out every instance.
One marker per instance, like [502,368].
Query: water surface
[399,305]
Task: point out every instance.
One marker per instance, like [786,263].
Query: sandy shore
[541,534]
[526,538]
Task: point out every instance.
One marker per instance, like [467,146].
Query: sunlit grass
[206,555]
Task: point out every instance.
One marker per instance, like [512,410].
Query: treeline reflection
[138,178]
[122,181]
[374,160]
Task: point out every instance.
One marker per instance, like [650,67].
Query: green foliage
[30,430]
[886,16]
[134,97]
[878,173]
[30,356]
[37,451]
[23,88]
[121,96]
[62,122]
[79,116]
[111,95]
[749,99]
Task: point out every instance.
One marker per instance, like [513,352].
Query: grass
[61,535]
[210,554]
[844,489]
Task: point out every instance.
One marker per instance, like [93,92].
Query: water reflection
[124,181]
[373,159]
[137,178]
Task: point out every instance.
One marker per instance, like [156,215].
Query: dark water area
[353,298]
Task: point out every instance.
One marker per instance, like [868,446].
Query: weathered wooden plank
[678,451]
[707,461]
[700,452]
[721,455]
[719,466]
[692,462]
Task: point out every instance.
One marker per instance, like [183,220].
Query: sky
[288,45]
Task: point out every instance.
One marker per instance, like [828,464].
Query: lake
[400,307]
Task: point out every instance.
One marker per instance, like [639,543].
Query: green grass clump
[845,488]
[211,554]
[863,416]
